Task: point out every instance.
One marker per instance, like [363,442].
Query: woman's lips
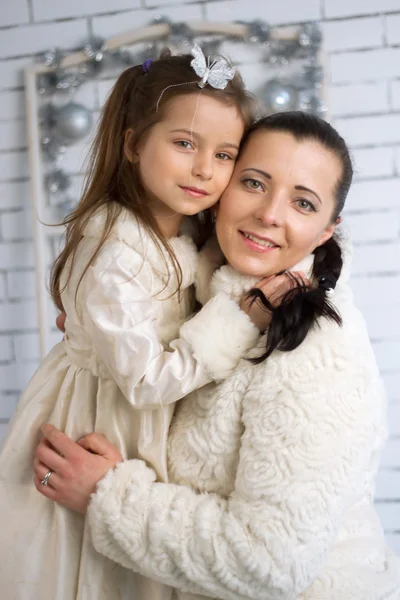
[258,244]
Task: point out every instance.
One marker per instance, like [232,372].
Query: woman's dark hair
[300,307]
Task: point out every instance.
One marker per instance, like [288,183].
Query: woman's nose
[271,211]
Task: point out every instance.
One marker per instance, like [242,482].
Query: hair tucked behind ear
[301,307]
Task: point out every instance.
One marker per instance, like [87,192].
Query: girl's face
[187,159]
[279,204]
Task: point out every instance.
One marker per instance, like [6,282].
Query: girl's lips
[253,245]
[195,192]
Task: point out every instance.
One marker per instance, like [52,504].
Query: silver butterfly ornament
[216,73]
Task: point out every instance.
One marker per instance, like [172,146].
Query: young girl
[165,148]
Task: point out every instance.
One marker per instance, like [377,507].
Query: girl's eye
[253,184]
[305,205]
[224,156]
[184,144]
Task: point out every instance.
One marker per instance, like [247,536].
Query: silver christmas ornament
[310,35]
[313,75]
[212,47]
[47,115]
[160,20]
[125,57]
[73,122]
[313,104]
[180,35]
[95,49]
[258,32]
[52,148]
[52,58]
[57,181]
[279,96]
[69,82]
[46,83]
[281,52]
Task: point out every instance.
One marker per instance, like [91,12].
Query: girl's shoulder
[129,237]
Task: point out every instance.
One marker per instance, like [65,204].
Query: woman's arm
[303,455]
[120,322]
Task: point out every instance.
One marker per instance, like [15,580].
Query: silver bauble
[310,35]
[52,149]
[57,181]
[279,96]
[46,83]
[73,122]
[258,32]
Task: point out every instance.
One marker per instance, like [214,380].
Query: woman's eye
[253,184]
[184,144]
[224,156]
[305,205]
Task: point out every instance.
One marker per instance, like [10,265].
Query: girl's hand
[76,467]
[60,321]
[274,288]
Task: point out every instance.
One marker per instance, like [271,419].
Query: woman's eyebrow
[197,135]
[296,187]
[305,189]
[263,173]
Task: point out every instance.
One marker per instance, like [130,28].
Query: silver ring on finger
[45,480]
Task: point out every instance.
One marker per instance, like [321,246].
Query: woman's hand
[76,467]
[274,289]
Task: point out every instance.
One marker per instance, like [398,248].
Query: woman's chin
[249,268]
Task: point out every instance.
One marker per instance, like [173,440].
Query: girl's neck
[169,224]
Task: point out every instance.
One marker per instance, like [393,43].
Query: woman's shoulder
[332,357]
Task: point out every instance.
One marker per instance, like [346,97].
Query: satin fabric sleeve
[119,319]
[301,458]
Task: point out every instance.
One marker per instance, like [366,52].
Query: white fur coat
[271,479]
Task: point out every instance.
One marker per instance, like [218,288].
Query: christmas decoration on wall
[282,66]
[64,122]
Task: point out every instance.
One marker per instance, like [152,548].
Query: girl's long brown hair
[112,180]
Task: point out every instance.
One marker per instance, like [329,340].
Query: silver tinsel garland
[64,125]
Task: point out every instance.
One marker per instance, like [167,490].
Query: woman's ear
[131,154]
[327,234]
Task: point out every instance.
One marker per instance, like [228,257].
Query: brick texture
[362,39]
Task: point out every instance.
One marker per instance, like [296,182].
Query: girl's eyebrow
[197,135]
[302,188]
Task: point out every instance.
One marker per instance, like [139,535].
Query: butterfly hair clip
[216,73]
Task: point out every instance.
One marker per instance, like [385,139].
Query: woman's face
[279,204]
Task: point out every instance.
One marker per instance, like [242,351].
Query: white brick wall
[362,40]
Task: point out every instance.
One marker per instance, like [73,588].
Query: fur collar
[227,280]
[131,232]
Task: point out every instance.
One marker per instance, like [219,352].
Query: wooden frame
[128,38]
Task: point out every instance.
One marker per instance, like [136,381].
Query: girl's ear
[131,154]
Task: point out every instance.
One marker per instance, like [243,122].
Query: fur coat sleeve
[305,456]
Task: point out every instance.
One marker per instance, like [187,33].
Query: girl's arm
[119,319]
[302,461]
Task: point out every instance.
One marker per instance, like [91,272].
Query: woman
[272,470]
